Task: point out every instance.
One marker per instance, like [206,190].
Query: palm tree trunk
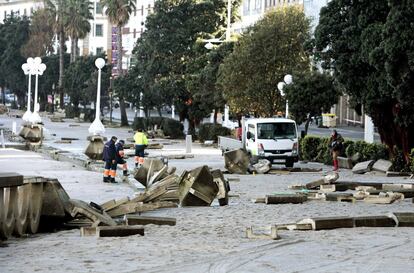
[124,118]
[75,50]
[72,49]
[61,66]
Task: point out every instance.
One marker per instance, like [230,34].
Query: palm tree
[119,12]
[76,23]
[57,13]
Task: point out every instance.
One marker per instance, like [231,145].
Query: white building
[100,39]
[251,11]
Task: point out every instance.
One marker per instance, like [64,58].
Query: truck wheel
[289,163]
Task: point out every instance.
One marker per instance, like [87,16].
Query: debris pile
[328,188]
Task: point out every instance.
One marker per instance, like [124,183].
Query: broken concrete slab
[223,185]
[197,187]
[398,174]
[98,218]
[259,200]
[285,199]
[261,167]
[133,220]
[111,204]
[403,219]
[236,161]
[327,188]
[327,179]
[269,232]
[9,179]
[337,196]
[384,198]
[345,163]
[112,231]
[139,207]
[396,187]
[363,167]
[321,223]
[56,201]
[382,165]
[374,221]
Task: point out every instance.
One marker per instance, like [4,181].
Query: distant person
[119,157]
[109,156]
[335,145]
[141,143]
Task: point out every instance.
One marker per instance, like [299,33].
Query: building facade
[102,37]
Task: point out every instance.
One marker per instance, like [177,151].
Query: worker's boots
[106,179]
[112,179]
[125,172]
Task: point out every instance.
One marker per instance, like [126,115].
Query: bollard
[188,143]
[14,128]
[2,140]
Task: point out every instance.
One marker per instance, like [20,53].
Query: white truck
[274,139]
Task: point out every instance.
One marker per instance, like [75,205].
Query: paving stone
[345,163]
[321,223]
[285,199]
[404,219]
[382,165]
[363,167]
[262,233]
[133,220]
[112,231]
[374,221]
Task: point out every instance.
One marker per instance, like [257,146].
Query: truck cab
[272,139]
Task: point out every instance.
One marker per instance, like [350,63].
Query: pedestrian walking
[141,143]
[119,157]
[109,156]
[335,145]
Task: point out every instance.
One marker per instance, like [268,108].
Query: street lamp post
[281,85]
[97,127]
[26,67]
[39,68]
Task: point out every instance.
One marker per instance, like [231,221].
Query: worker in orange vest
[141,142]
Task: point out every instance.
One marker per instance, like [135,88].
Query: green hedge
[210,131]
[171,127]
[313,148]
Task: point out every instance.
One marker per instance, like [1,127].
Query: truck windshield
[276,130]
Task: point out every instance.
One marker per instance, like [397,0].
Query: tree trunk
[307,125]
[61,66]
[159,111]
[3,95]
[73,49]
[124,117]
[215,116]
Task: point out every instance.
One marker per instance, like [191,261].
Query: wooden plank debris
[321,223]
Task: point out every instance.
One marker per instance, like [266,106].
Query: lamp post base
[94,150]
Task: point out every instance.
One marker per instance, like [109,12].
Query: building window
[99,50]
[98,8]
[99,30]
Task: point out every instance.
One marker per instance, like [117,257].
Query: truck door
[251,139]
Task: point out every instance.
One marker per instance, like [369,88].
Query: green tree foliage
[77,24]
[368,44]
[80,81]
[169,59]
[40,42]
[269,50]
[14,33]
[57,16]
[310,95]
